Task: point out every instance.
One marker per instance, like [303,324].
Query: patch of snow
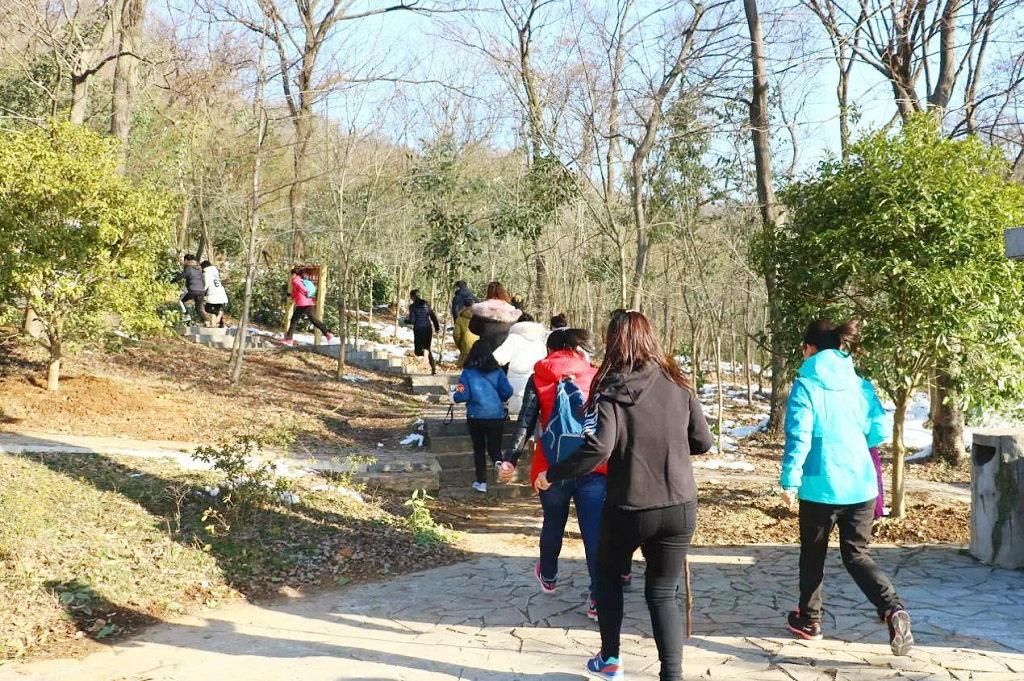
[354,379]
[288,498]
[921,454]
[722,464]
[415,439]
[746,431]
[350,494]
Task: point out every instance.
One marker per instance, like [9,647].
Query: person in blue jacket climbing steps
[833,418]
[485,389]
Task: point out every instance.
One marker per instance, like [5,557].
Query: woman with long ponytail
[649,422]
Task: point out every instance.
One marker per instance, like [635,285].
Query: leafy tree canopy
[907,234]
[80,244]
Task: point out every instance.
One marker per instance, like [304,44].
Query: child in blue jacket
[485,389]
[832,420]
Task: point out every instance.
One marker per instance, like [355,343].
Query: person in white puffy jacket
[524,347]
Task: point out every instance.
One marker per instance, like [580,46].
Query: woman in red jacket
[565,361]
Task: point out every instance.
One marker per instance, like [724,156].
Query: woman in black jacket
[493,318]
[649,422]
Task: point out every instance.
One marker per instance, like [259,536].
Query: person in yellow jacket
[464,338]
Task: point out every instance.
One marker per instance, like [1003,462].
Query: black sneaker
[803,627]
[900,639]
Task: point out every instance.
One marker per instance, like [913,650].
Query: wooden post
[321,299]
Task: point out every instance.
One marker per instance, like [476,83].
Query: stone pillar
[997,497]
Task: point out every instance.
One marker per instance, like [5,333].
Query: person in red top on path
[565,361]
[305,306]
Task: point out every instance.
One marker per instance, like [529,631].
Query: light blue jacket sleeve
[464,395]
[799,432]
[878,429]
[505,389]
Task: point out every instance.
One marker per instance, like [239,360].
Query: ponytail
[826,335]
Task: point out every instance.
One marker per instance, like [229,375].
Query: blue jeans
[587,492]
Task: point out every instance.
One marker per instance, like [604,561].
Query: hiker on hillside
[216,294]
[524,347]
[424,323]
[195,288]
[494,317]
[484,388]
[832,420]
[464,338]
[304,296]
[461,298]
[561,378]
[649,423]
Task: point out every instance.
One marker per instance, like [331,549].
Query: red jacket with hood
[546,375]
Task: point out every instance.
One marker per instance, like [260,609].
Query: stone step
[400,471]
[211,332]
[426,384]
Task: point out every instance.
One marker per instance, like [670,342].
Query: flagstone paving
[484,620]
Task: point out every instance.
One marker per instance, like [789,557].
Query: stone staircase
[221,338]
[452,448]
[404,470]
[380,361]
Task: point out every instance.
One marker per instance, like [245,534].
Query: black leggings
[663,535]
[486,435]
[854,521]
[305,312]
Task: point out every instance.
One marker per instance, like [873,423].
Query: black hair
[825,334]
[568,339]
[189,256]
[297,270]
[460,284]
[481,358]
[414,294]
[206,263]
[560,321]
[526,317]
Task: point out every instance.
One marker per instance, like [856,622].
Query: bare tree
[771,211]
[844,42]
[300,31]
[133,13]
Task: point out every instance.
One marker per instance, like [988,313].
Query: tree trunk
[126,74]
[899,456]
[721,390]
[53,374]
[541,269]
[297,194]
[947,419]
[771,216]
[79,98]
[252,250]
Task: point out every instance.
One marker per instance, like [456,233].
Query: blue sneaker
[610,669]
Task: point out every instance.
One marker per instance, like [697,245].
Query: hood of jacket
[832,370]
[496,311]
[550,370]
[632,387]
[467,313]
[530,331]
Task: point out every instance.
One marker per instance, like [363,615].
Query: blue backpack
[310,287]
[564,432]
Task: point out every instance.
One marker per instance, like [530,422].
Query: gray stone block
[997,497]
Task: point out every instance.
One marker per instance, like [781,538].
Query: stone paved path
[484,620]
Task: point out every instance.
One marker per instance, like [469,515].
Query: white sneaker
[480,487]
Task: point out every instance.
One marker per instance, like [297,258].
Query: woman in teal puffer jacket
[832,419]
